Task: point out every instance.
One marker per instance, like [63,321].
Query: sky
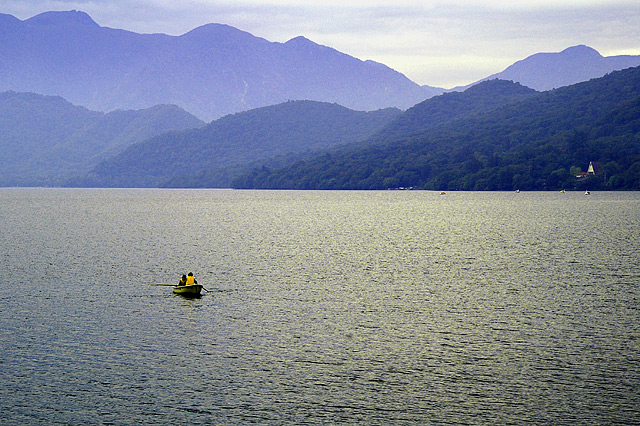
[441,43]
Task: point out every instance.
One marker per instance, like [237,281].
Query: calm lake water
[361,308]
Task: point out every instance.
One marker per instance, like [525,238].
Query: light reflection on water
[325,307]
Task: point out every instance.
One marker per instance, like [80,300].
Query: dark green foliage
[495,137]
[455,105]
[213,155]
[44,140]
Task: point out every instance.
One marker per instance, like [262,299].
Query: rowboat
[192,290]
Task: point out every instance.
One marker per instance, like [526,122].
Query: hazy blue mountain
[210,71]
[432,91]
[45,139]
[214,154]
[546,71]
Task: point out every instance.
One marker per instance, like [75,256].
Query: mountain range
[496,135]
[211,71]
[45,139]
[216,153]
[245,85]
[215,69]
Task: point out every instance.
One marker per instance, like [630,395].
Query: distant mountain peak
[299,40]
[550,70]
[214,28]
[72,17]
[581,51]
[220,34]
[303,45]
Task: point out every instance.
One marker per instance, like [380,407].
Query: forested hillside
[540,142]
[442,109]
[44,139]
[214,154]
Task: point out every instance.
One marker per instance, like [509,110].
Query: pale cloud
[440,43]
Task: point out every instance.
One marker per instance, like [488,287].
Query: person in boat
[191,279]
[183,280]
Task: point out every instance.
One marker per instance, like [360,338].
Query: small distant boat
[517,191]
[443,193]
[587,193]
[562,191]
[192,290]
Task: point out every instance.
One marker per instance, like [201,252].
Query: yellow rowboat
[188,290]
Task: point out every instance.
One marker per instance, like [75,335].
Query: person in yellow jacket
[183,280]
[191,279]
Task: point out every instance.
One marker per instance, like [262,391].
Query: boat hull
[188,290]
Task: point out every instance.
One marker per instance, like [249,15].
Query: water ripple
[374,308]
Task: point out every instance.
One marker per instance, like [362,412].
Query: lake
[361,308]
